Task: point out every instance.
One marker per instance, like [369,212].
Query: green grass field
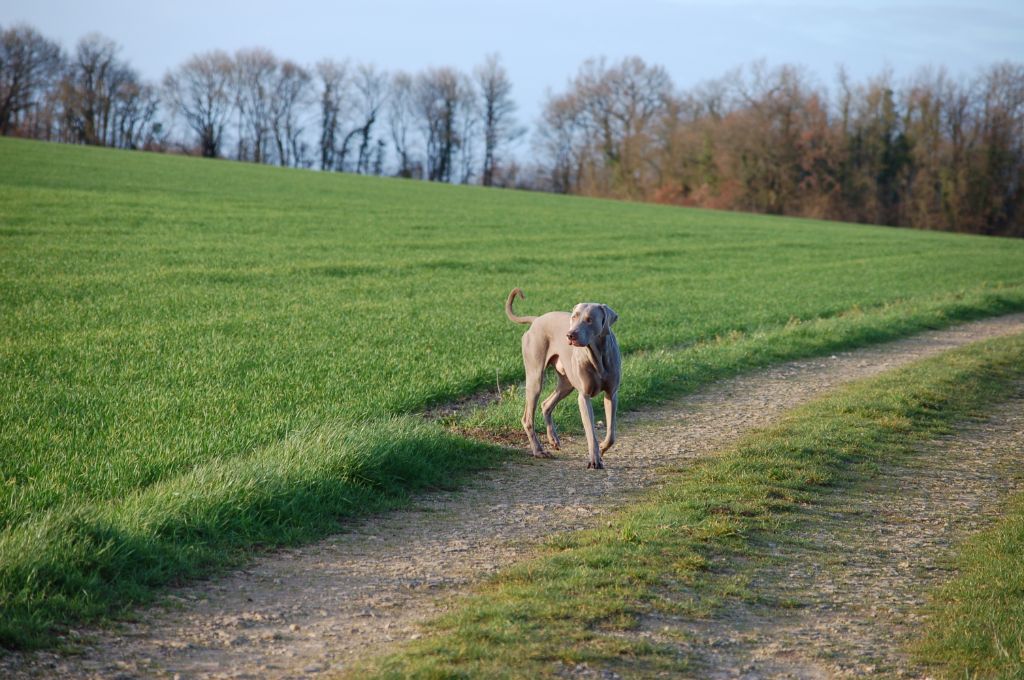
[201,357]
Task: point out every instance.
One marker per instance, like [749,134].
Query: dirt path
[296,613]
[843,595]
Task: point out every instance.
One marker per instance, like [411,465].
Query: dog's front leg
[611,404]
[587,414]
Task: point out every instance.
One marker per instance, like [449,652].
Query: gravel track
[843,596]
[301,612]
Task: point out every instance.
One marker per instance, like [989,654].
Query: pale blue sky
[543,43]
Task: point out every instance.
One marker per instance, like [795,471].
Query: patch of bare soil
[298,613]
[843,595]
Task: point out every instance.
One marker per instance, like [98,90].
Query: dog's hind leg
[533,360]
[561,391]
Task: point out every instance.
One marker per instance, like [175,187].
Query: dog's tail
[508,307]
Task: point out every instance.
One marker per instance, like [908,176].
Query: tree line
[90,96]
[439,124]
[933,151]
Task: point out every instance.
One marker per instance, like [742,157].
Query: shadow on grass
[91,561]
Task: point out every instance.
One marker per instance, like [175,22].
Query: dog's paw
[541,454]
[591,465]
[555,442]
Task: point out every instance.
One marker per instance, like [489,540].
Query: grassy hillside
[200,356]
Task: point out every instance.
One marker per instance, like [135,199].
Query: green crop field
[199,358]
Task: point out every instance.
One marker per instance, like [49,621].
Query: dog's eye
[587,319]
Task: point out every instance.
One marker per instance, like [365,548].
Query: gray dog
[583,350]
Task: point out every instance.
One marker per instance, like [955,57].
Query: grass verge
[975,629]
[570,604]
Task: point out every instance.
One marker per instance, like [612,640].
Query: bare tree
[497,112]
[334,95]
[93,77]
[877,154]
[400,120]
[560,143]
[961,132]
[29,66]
[122,86]
[609,116]
[774,137]
[439,92]
[201,91]
[371,89]
[254,82]
[922,101]
[621,104]
[134,113]
[467,123]
[102,98]
[1001,189]
[289,100]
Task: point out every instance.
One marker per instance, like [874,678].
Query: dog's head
[589,322]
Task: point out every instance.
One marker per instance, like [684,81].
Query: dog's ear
[610,317]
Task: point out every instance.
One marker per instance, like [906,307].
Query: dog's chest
[585,372]
[581,376]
